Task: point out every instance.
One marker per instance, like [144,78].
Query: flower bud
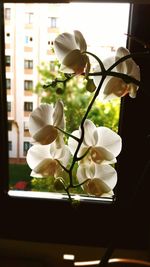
[90,86]
[59,183]
[59,91]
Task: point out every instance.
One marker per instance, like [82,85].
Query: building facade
[27,43]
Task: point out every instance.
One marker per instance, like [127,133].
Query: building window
[28,85]
[52,65]
[26,146]
[53,22]
[9,126]
[8,106]
[8,84]
[28,40]
[28,106]
[7,13]
[28,64]
[10,145]
[7,61]
[26,127]
[29,18]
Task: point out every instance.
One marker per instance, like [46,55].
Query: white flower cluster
[50,155]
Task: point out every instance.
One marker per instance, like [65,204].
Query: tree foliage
[75,97]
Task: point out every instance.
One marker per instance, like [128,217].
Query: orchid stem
[61,130]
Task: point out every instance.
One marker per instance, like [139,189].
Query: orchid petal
[100,154]
[125,66]
[80,41]
[72,143]
[40,117]
[36,154]
[107,174]
[96,187]
[89,128]
[115,87]
[46,135]
[75,61]
[70,50]
[109,140]
[62,154]
[58,115]
[63,44]
[100,178]
[47,167]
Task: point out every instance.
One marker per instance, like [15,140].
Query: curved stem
[80,158]
[125,77]
[75,157]
[61,130]
[98,60]
[122,59]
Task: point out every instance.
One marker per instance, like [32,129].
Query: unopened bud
[90,86]
[59,183]
[59,91]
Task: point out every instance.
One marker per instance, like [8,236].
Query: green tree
[75,97]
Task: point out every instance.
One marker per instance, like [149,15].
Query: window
[28,64]
[7,13]
[28,85]
[8,61]
[29,18]
[8,84]
[26,146]
[28,40]
[26,127]
[28,106]
[9,126]
[10,145]
[52,66]
[92,222]
[9,106]
[53,22]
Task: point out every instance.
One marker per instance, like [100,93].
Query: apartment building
[27,44]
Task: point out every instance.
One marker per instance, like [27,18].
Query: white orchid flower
[43,120]
[44,160]
[104,144]
[70,50]
[116,87]
[101,179]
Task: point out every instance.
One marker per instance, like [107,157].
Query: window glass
[28,64]
[7,13]
[102,39]
[29,17]
[28,85]
[9,106]
[8,61]
[28,106]
[8,83]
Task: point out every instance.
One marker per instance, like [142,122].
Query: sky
[101,24]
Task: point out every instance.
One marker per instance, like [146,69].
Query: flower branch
[91,149]
[68,134]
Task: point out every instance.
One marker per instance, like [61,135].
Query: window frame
[8,60]
[28,85]
[28,64]
[28,106]
[91,223]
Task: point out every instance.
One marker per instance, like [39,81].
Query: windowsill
[57,196]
